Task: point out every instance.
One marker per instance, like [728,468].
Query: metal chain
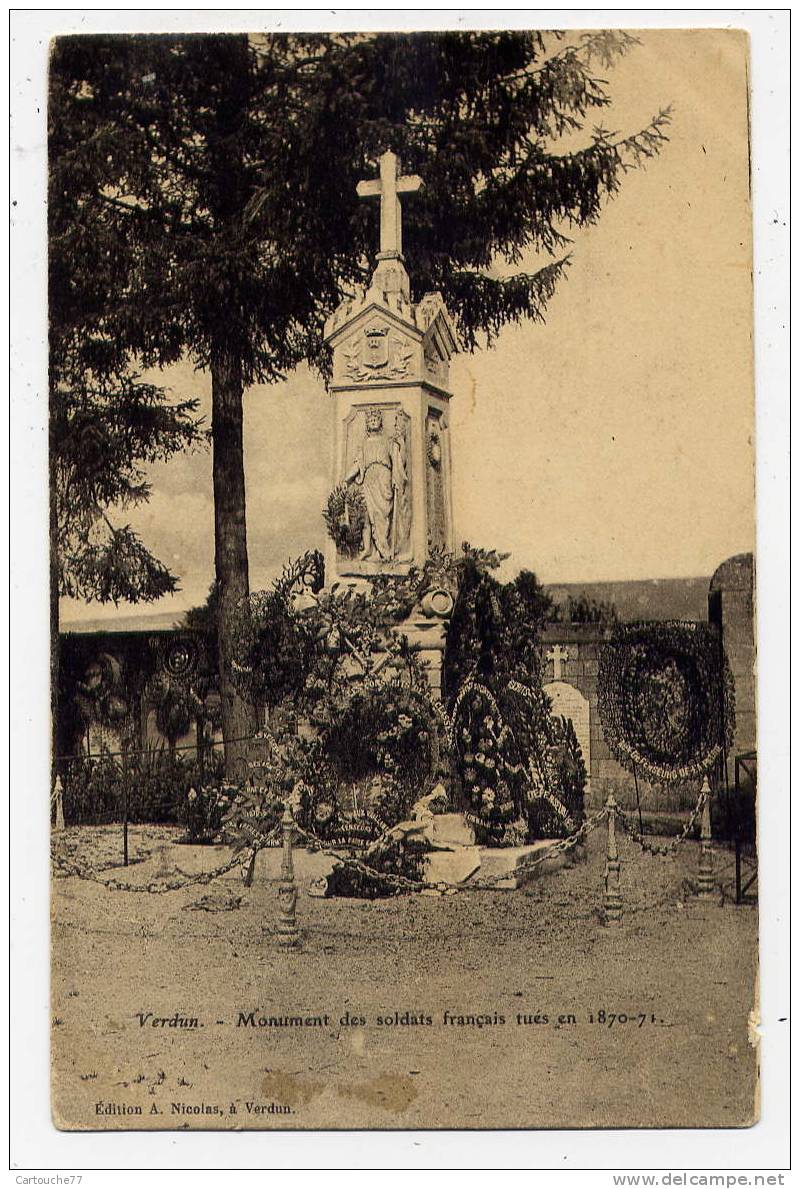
[400,881]
[156,886]
[242,858]
[559,846]
[668,848]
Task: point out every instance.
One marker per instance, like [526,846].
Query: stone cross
[558,655]
[389,186]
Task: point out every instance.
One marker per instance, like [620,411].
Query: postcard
[404,752]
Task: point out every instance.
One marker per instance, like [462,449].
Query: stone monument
[390,384]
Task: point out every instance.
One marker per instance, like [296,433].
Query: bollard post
[163,867]
[125,826]
[705,877]
[58,793]
[288,933]
[613,896]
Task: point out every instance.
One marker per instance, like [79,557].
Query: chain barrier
[558,846]
[400,882]
[246,858]
[156,886]
[396,881]
[703,886]
[243,858]
[665,848]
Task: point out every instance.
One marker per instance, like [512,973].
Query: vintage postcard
[404,751]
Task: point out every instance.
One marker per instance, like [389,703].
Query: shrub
[584,609]
[154,783]
[205,811]
[93,791]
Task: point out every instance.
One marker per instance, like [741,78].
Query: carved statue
[381,470]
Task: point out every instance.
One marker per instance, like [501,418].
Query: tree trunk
[230,550]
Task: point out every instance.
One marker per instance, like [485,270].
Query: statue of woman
[380,471]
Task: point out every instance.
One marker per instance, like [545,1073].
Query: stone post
[288,933]
[613,896]
[58,797]
[164,868]
[705,878]
[427,629]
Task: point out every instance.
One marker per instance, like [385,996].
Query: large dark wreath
[665,696]
[386,730]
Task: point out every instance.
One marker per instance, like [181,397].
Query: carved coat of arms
[375,353]
[378,354]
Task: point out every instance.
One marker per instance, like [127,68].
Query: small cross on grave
[558,656]
[389,186]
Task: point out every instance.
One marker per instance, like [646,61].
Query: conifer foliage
[203,202]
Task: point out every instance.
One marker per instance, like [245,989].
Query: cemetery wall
[571,653]
[731,607]
[582,643]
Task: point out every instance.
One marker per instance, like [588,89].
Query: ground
[678,976]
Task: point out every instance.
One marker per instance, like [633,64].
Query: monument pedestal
[426,628]
[391,497]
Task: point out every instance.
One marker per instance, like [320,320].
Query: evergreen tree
[106,427]
[204,190]
[103,434]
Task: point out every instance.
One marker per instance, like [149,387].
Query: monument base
[356,568]
[429,636]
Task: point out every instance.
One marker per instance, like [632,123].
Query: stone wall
[730,606]
[582,643]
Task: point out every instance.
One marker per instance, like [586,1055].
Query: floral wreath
[345,515]
[665,696]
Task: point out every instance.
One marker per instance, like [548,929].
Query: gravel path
[522,975]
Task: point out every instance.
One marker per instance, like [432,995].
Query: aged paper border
[35,1145]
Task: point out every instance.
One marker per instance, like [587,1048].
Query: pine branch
[484,305]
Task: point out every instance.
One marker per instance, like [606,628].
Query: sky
[615,441]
